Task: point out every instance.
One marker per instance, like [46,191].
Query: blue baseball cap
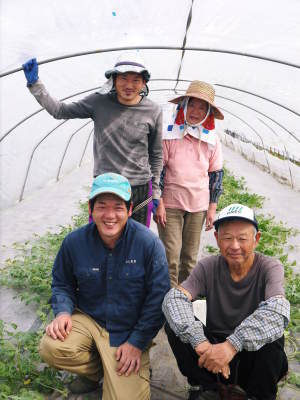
[111,183]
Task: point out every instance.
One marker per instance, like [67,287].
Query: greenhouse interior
[248,51]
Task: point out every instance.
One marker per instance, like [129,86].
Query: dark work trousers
[257,372]
[139,194]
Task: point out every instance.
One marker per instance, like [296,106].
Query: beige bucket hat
[203,91]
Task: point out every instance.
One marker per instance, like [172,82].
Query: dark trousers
[257,372]
[139,194]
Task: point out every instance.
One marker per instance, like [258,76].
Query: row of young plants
[271,150]
[24,376]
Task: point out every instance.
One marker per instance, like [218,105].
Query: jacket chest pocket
[90,278]
[132,271]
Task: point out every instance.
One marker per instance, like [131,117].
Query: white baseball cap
[129,62]
[236,211]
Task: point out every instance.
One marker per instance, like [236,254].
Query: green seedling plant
[21,368]
[22,374]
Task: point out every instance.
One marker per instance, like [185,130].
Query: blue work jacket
[122,288]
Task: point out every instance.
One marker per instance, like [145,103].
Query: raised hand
[31,70]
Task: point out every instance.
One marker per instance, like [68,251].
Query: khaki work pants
[87,352]
[181,238]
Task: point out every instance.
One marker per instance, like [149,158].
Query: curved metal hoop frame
[183,49]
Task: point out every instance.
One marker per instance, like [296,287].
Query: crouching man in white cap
[127,127]
[109,280]
[239,354]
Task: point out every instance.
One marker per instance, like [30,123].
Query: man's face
[128,87]
[237,241]
[110,215]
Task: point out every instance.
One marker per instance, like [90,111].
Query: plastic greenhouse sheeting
[250,51]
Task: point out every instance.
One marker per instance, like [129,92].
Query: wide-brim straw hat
[203,91]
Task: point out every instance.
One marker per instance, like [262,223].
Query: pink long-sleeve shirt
[186,181]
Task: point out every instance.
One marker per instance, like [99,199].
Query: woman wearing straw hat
[191,180]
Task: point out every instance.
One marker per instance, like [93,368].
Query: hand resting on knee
[60,327]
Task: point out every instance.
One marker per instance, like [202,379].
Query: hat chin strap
[201,122]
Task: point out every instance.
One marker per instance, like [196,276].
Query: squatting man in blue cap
[109,280]
[127,126]
[239,353]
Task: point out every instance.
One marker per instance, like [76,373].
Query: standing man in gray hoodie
[127,127]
